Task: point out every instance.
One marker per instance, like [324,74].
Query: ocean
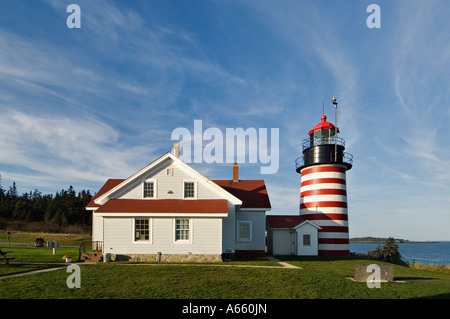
[426,253]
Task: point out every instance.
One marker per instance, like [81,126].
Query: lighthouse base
[334,243]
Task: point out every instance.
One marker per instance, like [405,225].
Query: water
[436,253]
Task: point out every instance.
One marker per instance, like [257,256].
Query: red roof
[110,184]
[323,125]
[252,193]
[213,206]
[284,221]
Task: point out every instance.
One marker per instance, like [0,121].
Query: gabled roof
[210,206]
[252,193]
[109,194]
[110,183]
[248,194]
[287,221]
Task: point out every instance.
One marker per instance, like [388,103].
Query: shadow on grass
[440,296]
[412,278]
[288,258]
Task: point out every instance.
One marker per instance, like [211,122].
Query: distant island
[380,240]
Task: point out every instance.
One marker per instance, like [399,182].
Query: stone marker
[386,273]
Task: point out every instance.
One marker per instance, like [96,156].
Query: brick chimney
[235,172]
[176,150]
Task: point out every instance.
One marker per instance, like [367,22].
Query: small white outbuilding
[291,235]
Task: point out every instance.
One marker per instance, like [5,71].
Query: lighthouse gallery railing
[322,141]
[347,158]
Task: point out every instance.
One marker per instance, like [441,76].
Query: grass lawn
[29,238]
[28,258]
[320,277]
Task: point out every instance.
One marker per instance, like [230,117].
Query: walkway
[32,272]
[281,263]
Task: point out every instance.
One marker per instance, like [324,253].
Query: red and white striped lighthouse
[323,191]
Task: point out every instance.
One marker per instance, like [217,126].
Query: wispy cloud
[420,66]
[75,118]
[59,148]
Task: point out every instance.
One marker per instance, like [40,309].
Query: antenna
[323,107]
[335,127]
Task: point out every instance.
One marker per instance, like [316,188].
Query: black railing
[322,141]
[81,250]
[347,158]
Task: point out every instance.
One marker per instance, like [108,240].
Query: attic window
[169,172]
[189,189]
[149,190]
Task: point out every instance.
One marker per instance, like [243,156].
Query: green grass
[27,258]
[319,278]
[29,238]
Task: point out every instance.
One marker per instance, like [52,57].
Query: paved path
[281,263]
[31,272]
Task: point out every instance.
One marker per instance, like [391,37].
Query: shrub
[389,252]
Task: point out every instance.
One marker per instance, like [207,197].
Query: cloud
[59,148]
[420,70]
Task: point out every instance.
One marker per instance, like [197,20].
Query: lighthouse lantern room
[323,193]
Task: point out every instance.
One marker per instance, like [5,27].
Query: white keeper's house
[168,211]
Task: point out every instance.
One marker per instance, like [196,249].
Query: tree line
[57,210]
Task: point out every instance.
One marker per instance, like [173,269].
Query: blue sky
[79,106]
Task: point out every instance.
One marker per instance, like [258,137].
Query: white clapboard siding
[206,237]
[312,248]
[167,186]
[258,219]
[229,228]
[97,227]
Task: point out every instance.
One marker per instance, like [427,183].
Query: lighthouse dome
[323,125]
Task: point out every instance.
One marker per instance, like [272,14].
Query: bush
[388,253]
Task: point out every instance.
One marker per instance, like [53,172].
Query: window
[182,227]
[141,229]
[189,189]
[149,190]
[244,230]
[306,240]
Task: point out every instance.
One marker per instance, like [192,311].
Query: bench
[6,259]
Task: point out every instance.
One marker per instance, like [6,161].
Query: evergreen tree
[12,193]
[65,208]
[22,208]
[389,252]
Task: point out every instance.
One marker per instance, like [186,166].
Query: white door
[293,243]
